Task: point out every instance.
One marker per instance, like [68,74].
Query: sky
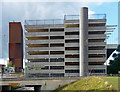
[12,10]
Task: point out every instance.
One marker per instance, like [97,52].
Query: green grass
[92,84]
[15,87]
[113,81]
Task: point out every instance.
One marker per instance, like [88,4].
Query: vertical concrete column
[83,40]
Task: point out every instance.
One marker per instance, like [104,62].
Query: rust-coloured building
[16,45]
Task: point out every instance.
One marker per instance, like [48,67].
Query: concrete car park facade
[72,47]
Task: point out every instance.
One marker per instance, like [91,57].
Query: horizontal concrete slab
[43,41]
[72,52]
[71,67]
[89,21]
[71,44]
[75,29]
[97,28]
[72,37]
[43,56]
[44,26]
[99,36]
[97,44]
[96,51]
[71,74]
[97,59]
[44,49]
[44,71]
[71,21]
[71,59]
[36,56]
[112,46]
[96,21]
[36,34]
[97,67]
[45,63]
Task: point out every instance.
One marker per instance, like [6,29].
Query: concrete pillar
[37,88]
[83,40]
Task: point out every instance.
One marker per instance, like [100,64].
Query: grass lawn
[92,84]
[15,87]
[112,80]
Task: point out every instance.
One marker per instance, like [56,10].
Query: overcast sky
[34,10]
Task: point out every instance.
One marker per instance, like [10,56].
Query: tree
[114,55]
[10,64]
[114,65]
[118,48]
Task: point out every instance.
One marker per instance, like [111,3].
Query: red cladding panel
[16,43]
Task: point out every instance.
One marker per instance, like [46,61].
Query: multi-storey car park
[74,46]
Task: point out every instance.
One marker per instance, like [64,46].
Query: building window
[96,63]
[94,25]
[57,60]
[57,45]
[38,53]
[71,48]
[57,30]
[39,60]
[37,30]
[71,63]
[37,45]
[56,67]
[96,32]
[71,25]
[97,71]
[71,33]
[71,71]
[45,68]
[56,52]
[96,55]
[96,48]
[57,74]
[96,40]
[38,38]
[56,37]
[72,56]
[72,41]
